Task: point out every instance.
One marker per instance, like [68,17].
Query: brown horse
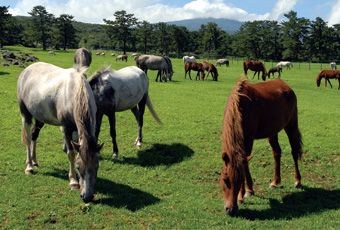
[276,69]
[210,68]
[194,66]
[256,111]
[328,74]
[256,66]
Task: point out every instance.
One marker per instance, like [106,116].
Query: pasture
[172,180]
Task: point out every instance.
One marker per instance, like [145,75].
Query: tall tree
[120,29]
[181,39]
[42,21]
[144,33]
[319,40]
[210,34]
[294,34]
[66,30]
[5,18]
[163,33]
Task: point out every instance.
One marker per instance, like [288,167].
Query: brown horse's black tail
[245,68]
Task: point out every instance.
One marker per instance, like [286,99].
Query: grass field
[171,182]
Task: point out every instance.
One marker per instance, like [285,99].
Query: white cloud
[150,10]
[334,18]
[281,7]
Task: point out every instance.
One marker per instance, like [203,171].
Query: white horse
[287,64]
[154,62]
[61,97]
[333,65]
[121,90]
[191,59]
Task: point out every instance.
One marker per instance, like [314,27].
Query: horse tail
[245,68]
[152,110]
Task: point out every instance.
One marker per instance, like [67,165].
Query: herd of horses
[48,94]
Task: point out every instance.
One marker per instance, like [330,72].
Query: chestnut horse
[210,68]
[328,74]
[256,111]
[256,66]
[194,66]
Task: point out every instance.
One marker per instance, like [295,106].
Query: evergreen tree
[42,21]
[121,28]
[5,18]
[66,31]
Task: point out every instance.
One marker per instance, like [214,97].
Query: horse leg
[71,154]
[294,137]
[339,82]
[190,74]
[139,114]
[254,74]
[99,118]
[249,191]
[274,143]
[112,121]
[35,133]
[329,83]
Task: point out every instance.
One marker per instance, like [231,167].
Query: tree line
[294,39]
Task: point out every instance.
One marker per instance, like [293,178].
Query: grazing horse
[189,59]
[256,66]
[122,57]
[256,111]
[121,90]
[83,57]
[223,61]
[333,65]
[286,64]
[153,62]
[328,74]
[61,97]
[276,69]
[194,66]
[210,68]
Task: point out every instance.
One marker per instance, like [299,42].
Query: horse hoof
[298,185]
[74,186]
[35,164]
[115,156]
[273,185]
[249,193]
[29,171]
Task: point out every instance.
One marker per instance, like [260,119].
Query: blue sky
[93,11]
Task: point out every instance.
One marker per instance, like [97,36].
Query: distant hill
[228,25]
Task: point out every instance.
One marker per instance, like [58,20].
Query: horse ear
[225,157]
[76,146]
[99,147]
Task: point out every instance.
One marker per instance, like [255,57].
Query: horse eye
[227,182]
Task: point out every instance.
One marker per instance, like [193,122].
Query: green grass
[171,182]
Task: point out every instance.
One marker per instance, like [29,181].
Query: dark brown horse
[194,66]
[276,69]
[256,66]
[328,74]
[256,111]
[122,57]
[210,68]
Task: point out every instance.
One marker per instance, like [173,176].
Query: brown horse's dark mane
[232,133]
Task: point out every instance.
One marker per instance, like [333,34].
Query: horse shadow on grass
[297,204]
[116,195]
[159,154]
[3,73]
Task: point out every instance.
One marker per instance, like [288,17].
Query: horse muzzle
[86,198]
[231,211]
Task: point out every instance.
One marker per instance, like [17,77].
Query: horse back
[267,107]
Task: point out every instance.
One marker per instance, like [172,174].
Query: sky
[153,11]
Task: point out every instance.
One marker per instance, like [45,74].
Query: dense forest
[294,39]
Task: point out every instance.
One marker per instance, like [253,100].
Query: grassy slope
[171,182]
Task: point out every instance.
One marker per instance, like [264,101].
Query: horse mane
[82,114]
[232,133]
[94,78]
